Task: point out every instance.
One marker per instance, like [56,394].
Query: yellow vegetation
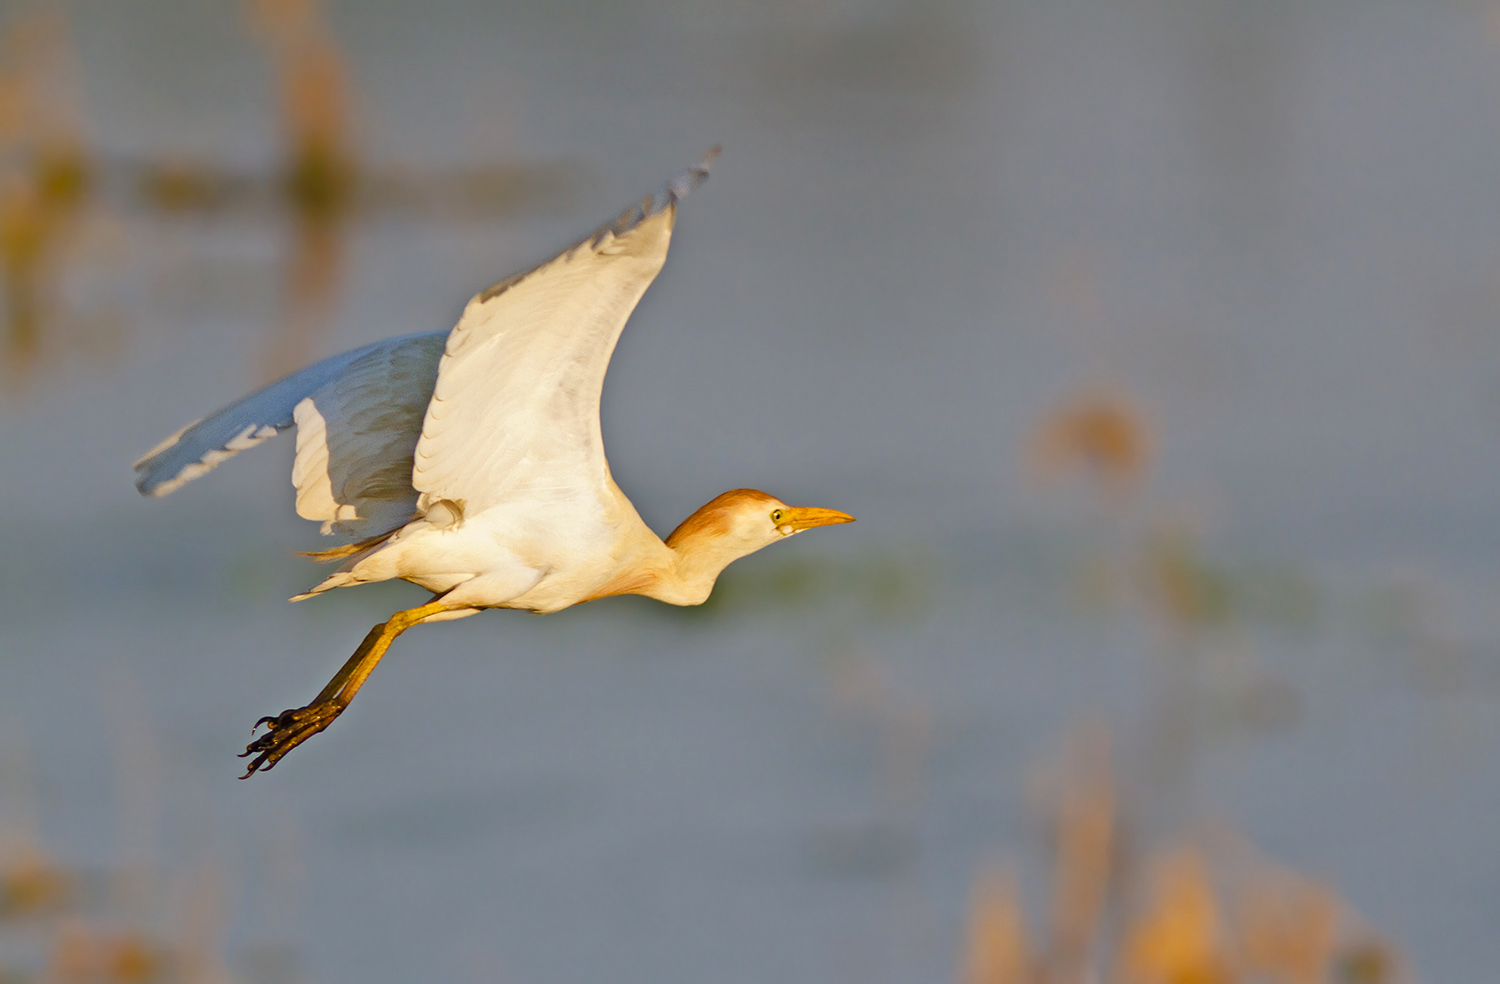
[1196,910]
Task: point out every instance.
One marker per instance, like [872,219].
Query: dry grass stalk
[1085,832]
[45,175]
[998,951]
[1207,915]
[1179,937]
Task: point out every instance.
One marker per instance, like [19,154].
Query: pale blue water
[1277,227]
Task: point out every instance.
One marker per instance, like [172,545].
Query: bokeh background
[1153,342]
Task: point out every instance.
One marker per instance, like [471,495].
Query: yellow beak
[806,517]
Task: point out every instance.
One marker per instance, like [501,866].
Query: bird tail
[351,554]
[348,549]
[338,579]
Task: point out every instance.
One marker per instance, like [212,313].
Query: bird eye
[776,516]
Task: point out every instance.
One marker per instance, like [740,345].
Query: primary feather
[203,445]
[503,407]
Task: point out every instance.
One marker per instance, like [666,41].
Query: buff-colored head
[731,526]
[744,520]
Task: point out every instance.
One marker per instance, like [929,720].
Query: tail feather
[348,549]
[352,555]
[338,579]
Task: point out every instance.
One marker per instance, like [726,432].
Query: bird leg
[291,728]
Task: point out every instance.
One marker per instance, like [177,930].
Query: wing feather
[356,435]
[505,407]
[515,413]
[203,445]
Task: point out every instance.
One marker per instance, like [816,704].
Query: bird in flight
[470,462]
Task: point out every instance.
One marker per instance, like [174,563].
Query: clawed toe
[286,731]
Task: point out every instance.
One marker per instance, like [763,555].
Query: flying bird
[470,462]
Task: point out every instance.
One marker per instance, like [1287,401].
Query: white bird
[470,462]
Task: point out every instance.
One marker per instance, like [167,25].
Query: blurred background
[1153,342]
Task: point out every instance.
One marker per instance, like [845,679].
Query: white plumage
[356,435]
[471,462]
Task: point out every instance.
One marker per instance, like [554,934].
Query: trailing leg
[291,728]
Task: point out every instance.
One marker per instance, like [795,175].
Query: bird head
[743,521]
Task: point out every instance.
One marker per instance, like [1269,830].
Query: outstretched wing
[201,446]
[515,414]
[356,435]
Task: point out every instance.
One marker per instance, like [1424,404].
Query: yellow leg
[291,728]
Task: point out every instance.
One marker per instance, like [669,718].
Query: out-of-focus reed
[132,919]
[53,181]
[1201,908]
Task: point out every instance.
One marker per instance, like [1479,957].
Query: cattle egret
[470,462]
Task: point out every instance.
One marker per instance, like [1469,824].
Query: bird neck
[696,553]
[682,569]
[694,565]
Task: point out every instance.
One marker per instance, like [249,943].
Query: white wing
[356,435]
[201,446]
[515,414]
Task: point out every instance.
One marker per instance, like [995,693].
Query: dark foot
[286,731]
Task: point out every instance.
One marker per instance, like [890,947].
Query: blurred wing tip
[684,183]
[653,204]
[675,191]
[143,463]
[152,479]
